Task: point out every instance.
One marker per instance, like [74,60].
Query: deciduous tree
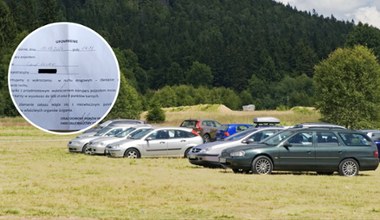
[346,87]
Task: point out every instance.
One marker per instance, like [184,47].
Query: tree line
[251,52]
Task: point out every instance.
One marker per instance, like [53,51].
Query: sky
[365,11]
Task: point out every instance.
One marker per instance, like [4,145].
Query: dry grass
[174,116]
[41,180]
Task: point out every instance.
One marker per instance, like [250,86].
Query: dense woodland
[180,52]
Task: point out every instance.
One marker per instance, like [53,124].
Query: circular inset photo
[64,78]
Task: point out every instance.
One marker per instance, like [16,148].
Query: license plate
[222,160]
[192,156]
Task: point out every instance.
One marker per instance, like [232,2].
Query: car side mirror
[148,138]
[286,144]
[248,141]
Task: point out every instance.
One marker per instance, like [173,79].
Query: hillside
[250,47]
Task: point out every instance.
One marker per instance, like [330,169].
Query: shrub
[156,114]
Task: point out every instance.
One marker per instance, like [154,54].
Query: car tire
[206,138]
[132,153]
[88,151]
[185,155]
[84,148]
[348,167]
[262,165]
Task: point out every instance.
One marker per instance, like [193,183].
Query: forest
[179,52]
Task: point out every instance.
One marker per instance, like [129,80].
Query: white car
[79,144]
[208,154]
[165,141]
[98,145]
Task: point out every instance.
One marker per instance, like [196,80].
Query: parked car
[207,154]
[165,141]
[375,136]
[206,128]
[227,130]
[79,144]
[92,131]
[98,145]
[324,150]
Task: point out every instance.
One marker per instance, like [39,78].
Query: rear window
[242,128]
[189,124]
[355,139]
[180,134]
[375,136]
[224,127]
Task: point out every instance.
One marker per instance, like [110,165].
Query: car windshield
[140,133]
[103,131]
[240,135]
[124,132]
[277,138]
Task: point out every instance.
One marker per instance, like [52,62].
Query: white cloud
[370,15]
[366,11]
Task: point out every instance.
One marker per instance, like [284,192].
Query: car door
[297,152]
[328,151]
[156,143]
[211,127]
[177,142]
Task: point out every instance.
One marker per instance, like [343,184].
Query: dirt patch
[224,109]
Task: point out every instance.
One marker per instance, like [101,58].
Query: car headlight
[204,150]
[113,147]
[96,143]
[237,154]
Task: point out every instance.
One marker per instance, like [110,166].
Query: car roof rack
[318,125]
[266,121]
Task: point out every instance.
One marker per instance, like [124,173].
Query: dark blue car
[227,130]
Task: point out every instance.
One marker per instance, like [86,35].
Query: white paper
[64,77]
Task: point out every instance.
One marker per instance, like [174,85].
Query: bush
[156,115]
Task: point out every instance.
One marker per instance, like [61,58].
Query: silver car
[165,141]
[208,154]
[113,122]
[79,144]
[98,145]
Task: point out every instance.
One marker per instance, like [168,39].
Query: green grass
[40,179]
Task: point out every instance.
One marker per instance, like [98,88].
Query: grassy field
[41,180]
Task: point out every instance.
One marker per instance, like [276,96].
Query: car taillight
[376,154]
[198,126]
[195,132]
[226,134]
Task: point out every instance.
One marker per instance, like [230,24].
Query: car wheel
[262,165]
[185,155]
[349,167]
[132,153]
[88,151]
[84,148]
[206,138]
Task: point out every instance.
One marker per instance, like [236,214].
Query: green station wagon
[324,150]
